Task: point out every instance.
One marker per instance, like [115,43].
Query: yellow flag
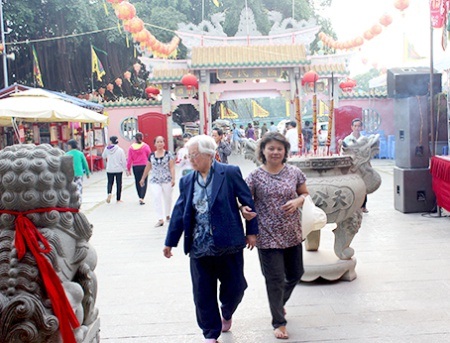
[258,110]
[216,2]
[97,66]
[323,108]
[36,70]
[226,113]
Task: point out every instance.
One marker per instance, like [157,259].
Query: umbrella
[37,105]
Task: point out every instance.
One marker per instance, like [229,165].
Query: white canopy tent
[37,105]
[378,81]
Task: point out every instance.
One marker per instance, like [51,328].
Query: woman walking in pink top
[138,154]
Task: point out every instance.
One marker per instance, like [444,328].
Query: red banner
[438,11]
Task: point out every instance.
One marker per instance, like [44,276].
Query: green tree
[62,32]
[362,80]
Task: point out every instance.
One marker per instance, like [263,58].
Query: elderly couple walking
[208,214]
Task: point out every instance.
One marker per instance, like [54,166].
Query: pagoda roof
[207,57]
[247,57]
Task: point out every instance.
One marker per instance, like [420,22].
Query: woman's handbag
[313,218]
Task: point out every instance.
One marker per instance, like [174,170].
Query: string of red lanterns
[126,12]
[376,29]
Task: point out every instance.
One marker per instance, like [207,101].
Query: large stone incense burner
[338,185]
[47,283]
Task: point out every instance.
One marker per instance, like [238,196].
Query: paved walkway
[401,294]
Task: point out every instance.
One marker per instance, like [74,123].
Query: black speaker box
[412,148]
[413,191]
[406,82]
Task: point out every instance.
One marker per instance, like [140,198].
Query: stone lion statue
[47,282]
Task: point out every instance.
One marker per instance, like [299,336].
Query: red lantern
[376,29]
[347,85]
[142,36]
[359,41]
[310,77]
[1,48]
[65,135]
[386,20]
[114,2]
[151,41]
[157,46]
[134,25]
[164,49]
[126,25]
[368,35]
[401,4]
[152,91]
[21,133]
[125,11]
[53,134]
[189,81]
[36,133]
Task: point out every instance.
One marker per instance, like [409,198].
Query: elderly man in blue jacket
[208,213]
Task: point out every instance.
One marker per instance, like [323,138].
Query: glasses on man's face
[194,156]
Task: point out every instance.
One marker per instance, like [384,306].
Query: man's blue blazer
[228,187]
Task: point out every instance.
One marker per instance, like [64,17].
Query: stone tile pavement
[401,294]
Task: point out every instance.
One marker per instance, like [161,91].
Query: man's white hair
[206,144]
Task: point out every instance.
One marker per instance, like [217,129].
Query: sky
[350,18]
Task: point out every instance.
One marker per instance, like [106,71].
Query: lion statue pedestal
[48,286]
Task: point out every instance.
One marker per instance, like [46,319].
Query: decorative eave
[325,70]
[254,56]
[167,75]
[324,65]
[131,103]
[378,94]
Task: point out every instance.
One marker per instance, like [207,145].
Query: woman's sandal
[281,333]
[159,223]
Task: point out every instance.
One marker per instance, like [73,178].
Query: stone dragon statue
[213,27]
[47,283]
[338,185]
